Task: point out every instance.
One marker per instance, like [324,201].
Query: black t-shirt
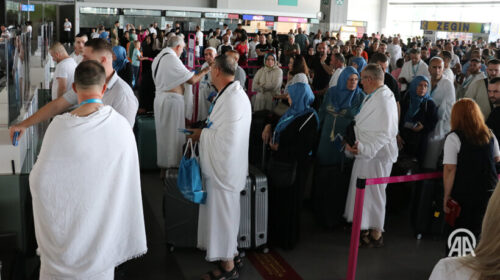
[263,48]
[392,84]
[493,122]
[321,77]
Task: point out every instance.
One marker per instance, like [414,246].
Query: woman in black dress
[291,140]
[121,65]
[147,86]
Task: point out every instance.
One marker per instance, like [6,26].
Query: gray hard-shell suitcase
[180,214]
[254,211]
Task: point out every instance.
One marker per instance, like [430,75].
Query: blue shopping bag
[189,177]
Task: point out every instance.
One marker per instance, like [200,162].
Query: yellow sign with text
[453,26]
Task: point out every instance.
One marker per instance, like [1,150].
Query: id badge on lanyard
[209,123]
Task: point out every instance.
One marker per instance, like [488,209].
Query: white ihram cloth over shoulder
[335,77]
[444,97]
[224,166]
[407,72]
[204,92]
[170,108]
[452,268]
[86,191]
[376,129]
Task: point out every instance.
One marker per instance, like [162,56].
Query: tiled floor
[321,254]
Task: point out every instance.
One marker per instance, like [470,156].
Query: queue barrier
[358,210]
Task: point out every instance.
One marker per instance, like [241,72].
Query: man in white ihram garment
[207,90]
[415,67]
[375,151]
[443,94]
[86,188]
[394,50]
[224,166]
[173,84]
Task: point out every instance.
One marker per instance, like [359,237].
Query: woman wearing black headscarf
[147,86]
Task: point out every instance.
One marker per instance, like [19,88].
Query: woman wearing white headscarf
[267,84]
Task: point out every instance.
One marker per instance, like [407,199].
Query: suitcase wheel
[419,236]
[170,248]
[265,250]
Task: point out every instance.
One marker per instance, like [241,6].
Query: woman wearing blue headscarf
[418,118]
[331,179]
[291,141]
[121,64]
[104,35]
[359,63]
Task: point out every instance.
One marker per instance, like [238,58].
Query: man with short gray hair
[224,166]
[375,151]
[173,85]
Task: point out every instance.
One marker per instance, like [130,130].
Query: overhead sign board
[27,8]
[292,19]
[453,26]
[288,2]
[215,15]
[182,14]
[258,18]
[233,16]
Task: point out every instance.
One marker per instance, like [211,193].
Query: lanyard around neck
[212,105]
[415,71]
[88,101]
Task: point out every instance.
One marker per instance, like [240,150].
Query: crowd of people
[337,110]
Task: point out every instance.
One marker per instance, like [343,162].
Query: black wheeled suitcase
[145,135]
[331,185]
[180,214]
[427,214]
[254,211]
[259,119]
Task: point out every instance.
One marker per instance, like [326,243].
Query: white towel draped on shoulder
[86,196]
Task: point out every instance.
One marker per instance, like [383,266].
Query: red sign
[233,16]
[269,24]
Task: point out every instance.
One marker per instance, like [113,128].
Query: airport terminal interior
[238,139]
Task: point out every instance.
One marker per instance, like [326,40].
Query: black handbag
[350,136]
[281,173]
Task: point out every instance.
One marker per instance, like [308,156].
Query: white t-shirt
[452,148]
[78,58]
[64,69]
[451,268]
[118,95]
[152,30]
[67,26]
[199,38]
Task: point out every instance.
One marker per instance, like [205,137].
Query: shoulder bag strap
[158,65]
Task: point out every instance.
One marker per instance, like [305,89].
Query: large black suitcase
[427,214]
[331,183]
[180,214]
[259,120]
[254,211]
[145,134]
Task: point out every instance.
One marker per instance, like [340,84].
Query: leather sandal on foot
[376,243]
[238,262]
[222,274]
[364,239]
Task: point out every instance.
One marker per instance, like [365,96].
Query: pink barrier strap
[403,179]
